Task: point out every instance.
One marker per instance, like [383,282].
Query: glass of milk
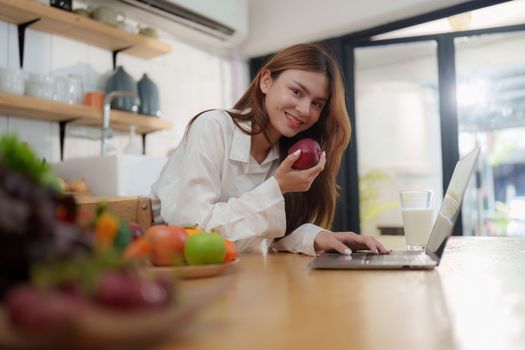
[416,207]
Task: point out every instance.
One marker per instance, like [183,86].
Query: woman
[232,173]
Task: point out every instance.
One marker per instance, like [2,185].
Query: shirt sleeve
[193,196]
[301,240]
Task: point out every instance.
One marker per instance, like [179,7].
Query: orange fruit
[192,230]
[231,251]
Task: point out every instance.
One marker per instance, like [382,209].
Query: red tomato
[231,251]
[167,244]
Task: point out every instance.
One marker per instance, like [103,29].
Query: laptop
[409,259]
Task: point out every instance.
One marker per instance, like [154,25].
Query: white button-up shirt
[212,180]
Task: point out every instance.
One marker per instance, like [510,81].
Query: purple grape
[136,230]
[38,311]
[123,291]
[32,227]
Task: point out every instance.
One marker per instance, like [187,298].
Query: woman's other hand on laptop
[345,242]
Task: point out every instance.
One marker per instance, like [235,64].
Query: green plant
[19,157]
[503,147]
[369,184]
[500,218]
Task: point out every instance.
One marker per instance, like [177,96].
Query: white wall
[190,80]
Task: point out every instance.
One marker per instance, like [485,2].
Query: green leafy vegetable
[19,157]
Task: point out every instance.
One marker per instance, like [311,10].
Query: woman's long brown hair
[332,131]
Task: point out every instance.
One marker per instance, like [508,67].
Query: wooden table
[475,299]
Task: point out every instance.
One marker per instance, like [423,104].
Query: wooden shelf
[67,24]
[35,108]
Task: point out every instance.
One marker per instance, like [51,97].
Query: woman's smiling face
[294,100]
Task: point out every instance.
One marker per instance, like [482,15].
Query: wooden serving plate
[193,271]
[99,328]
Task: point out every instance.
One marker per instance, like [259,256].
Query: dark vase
[120,80]
[62,4]
[149,97]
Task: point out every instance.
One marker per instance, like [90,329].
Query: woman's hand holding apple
[291,180]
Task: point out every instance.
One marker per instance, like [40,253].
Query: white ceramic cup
[417,211]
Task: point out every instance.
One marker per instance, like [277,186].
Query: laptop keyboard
[412,258]
[367,260]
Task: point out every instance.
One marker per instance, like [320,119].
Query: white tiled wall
[190,80]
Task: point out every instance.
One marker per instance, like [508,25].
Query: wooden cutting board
[132,209]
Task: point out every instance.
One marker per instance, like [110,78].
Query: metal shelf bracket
[115,53]
[21,38]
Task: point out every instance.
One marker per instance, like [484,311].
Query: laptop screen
[449,211]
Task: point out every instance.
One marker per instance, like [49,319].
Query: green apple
[205,248]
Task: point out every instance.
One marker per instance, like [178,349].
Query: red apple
[310,153]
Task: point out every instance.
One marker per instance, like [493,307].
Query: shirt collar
[241,144]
